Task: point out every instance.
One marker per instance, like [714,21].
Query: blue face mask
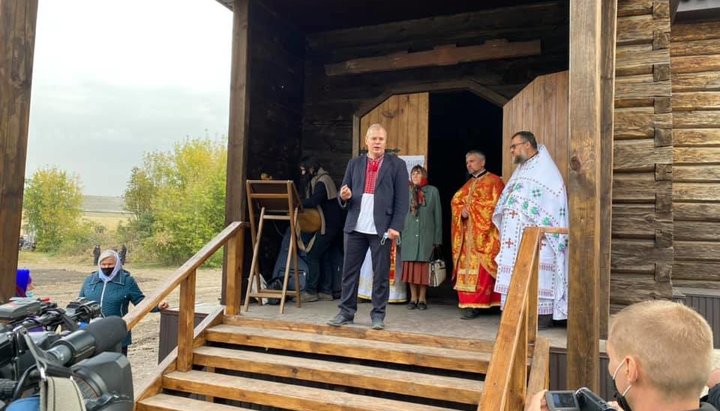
[620,398]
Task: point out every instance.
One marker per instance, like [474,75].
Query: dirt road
[61,282]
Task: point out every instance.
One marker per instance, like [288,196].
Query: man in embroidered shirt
[374,191]
[534,196]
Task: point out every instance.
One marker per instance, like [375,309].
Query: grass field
[109,220]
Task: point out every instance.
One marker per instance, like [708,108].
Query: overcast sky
[113,79]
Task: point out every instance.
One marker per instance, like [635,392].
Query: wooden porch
[235,360]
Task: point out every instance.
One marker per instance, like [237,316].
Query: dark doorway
[459,122]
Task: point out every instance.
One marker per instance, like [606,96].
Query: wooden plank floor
[441,320]
[399,353]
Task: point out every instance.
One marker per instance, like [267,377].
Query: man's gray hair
[477,153]
[375,126]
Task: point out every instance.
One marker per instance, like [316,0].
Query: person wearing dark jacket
[321,194]
[374,191]
[114,289]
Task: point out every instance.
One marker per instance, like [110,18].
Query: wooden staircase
[231,362]
[284,365]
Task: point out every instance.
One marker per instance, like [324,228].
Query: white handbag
[438,272]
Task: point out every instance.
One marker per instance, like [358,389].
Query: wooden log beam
[17,47]
[237,133]
[446,55]
[585,116]
[607,89]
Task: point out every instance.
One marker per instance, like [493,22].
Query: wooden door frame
[455,85]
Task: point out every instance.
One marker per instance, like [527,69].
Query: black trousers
[356,246]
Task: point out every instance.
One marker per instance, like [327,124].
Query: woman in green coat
[422,233]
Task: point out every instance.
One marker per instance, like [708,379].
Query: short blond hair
[672,343]
[375,126]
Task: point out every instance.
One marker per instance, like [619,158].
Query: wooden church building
[624,93]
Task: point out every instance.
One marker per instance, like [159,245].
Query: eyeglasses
[512,146]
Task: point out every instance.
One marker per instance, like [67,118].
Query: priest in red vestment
[475,239]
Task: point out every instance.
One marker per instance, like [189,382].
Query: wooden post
[17,46]
[584,193]
[607,86]
[235,249]
[238,128]
[186,323]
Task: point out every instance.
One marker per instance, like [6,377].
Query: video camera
[33,313]
[581,400]
[31,350]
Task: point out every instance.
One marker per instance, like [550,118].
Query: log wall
[331,101]
[695,62]
[275,80]
[276,54]
[642,215]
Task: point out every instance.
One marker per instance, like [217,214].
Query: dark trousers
[319,276]
[356,246]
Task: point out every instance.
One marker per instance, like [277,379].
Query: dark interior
[459,122]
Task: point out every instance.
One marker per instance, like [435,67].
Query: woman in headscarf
[114,289]
[421,235]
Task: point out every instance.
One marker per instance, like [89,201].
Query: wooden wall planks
[405,117]
[541,108]
[642,229]
[695,61]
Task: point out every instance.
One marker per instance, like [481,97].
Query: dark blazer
[391,193]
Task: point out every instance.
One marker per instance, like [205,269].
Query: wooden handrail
[506,381]
[185,277]
[181,274]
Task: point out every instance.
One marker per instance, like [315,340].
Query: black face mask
[107,270]
[620,398]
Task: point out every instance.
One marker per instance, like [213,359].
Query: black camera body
[31,348]
[581,400]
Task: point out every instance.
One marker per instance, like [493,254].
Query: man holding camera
[660,358]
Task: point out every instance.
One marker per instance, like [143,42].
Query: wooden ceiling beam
[446,55]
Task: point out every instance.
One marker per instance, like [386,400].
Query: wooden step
[365,333]
[281,395]
[360,376]
[164,402]
[391,352]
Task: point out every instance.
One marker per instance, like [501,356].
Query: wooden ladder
[279,201]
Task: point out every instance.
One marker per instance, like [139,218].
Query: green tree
[178,199]
[52,203]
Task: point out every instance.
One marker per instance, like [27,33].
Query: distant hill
[103,204]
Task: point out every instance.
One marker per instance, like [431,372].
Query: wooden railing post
[186,322]
[532,307]
[236,249]
[506,381]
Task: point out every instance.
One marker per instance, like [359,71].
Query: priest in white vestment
[534,196]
